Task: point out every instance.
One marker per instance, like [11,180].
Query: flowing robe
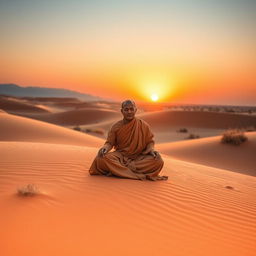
[127,161]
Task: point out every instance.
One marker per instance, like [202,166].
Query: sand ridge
[15,105]
[165,124]
[76,117]
[211,152]
[160,120]
[17,128]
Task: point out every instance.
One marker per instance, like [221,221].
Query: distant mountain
[33,91]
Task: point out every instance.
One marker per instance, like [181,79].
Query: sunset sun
[154,97]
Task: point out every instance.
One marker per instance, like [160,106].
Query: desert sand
[207,207]
[165,124]
[90,116]
[211,152]
[16,105]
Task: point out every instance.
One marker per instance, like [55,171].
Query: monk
[134,156]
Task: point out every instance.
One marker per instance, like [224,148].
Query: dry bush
[77,128]
[183,130]
[95,130]
[193,136]
[234,137]
[28,190]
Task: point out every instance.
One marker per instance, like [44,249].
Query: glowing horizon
[179,51]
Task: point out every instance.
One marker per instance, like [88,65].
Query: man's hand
[146,151]
[151,152]
[102,152]
[155,154]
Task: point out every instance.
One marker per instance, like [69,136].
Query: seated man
[134,156]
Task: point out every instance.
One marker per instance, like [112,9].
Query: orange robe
[129,140]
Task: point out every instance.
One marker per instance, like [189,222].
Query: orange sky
[182,53]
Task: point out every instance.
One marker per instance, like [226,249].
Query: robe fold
[127,161]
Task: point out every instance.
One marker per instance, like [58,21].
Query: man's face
[128,111]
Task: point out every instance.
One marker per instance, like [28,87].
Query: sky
[200,52]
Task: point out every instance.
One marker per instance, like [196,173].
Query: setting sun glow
[154,85]
[154,97]
[150,51]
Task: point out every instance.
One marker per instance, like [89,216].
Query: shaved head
[128,109]
[128,102]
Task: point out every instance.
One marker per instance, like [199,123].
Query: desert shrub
[77,128]
[183,130]
[234,137]
[28,190]
[193,136]
[99,131]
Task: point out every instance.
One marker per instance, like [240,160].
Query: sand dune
[14,105]
[75,112]
[199,211]
[77,117]
[193,213]
[93,104]
[165,124]
[211,152]
[162,120]
[54,104]
[53,99]
[16,128]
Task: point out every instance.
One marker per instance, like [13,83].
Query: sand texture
[206,207]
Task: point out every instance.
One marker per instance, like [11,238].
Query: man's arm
[110,142]
[105,149]
[150,147]
[150,150]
